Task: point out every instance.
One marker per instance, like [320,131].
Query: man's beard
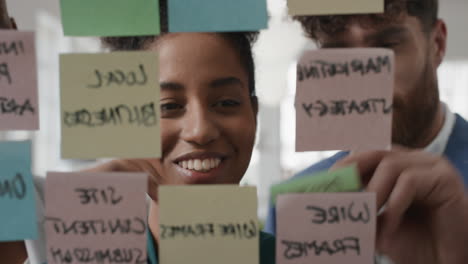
[413,115]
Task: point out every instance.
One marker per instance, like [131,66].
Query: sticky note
[19,109]
[340,180]
[96,217]
[208,224]
[327,228]
[344,100]
[18,220]
[110,17]
[334,7]
[110,105]
[217,15]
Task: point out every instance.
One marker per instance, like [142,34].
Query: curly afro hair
[241,41]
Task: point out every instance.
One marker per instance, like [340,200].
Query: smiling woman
[208,112]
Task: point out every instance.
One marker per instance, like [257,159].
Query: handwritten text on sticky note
[96,217]
[18,219]
[328,228]
[334,7]
[18,81]
[212,224]
[110,105]
[344,99]
[110,17]
[217,15]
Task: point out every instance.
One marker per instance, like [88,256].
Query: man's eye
[170,107]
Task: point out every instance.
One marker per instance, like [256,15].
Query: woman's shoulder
[267,248]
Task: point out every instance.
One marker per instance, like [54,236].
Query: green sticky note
[341,180]
[110,17]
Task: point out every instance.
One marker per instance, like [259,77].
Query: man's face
[416,97]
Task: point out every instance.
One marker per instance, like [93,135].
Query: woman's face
[208,120]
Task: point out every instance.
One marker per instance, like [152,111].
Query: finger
[366,163]
[449,185]
[133,165]
[401,148]
[401,198]
[389,170]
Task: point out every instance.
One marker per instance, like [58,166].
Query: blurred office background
[274,157]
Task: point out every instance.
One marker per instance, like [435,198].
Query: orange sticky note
[326,228]
[18,81]
[96,217]
[344,99]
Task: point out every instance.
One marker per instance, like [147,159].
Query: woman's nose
[199,127]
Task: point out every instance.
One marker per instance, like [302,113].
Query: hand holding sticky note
[110,105]
[18,81]
[328,228]
[344,99]
[208,224]
[96,217]
[18,220]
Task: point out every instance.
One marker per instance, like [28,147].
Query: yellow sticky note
[208,224]
[334,7]
[110,105]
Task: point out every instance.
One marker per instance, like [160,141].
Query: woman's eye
[228,103]
[389,45]
[168,107]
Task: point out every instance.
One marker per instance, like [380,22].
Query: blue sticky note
[217,15]
[17,193]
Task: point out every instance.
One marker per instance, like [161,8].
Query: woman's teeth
[200,165]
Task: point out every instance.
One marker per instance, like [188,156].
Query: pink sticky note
[344,99]
[326,228]
[96,217]
[18,81]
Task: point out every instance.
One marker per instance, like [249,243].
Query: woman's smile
[201,167]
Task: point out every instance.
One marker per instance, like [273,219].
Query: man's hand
[425,219]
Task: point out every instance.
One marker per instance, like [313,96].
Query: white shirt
[439,144]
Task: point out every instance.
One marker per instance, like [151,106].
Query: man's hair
[242,42]
[425,10]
